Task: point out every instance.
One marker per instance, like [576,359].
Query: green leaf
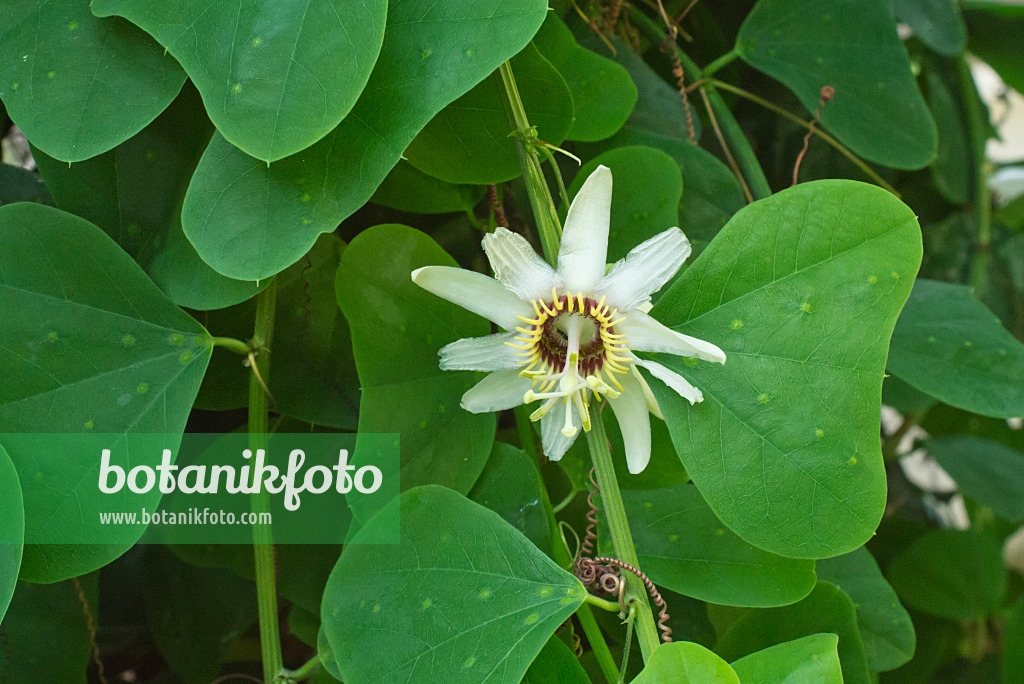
[949,345]
[276,76]
[78,85]
[250,221]
[510,485]
[313,378]
[956,574]
[683,662]
[885,627]
[464,597]
[988,472]
[44,636]
[801,291]
[825,610]
[556,664]
[220,607]
[469,142]
[407,188]
[936,22]
[397,330]
[134,193]
[659,108]
[603,93]
[645,201]
[89,344]
[20,185]
[683,546]
[808,45]
[12,530]
[808,660]
[951,175]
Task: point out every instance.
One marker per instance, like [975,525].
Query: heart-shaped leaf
[89,344]
[885,627]
[407,188]
[556,664]
[250,221]
[955,574]
[825,610]
[683,546]
[877,109]
[988,472]
[683,662]
[78,85]
[603,93]
[276,75]
[397,328]
[949,345]
[468,141]
[801,291]
[12,530]
[808,660]
[134,193]
[464,597]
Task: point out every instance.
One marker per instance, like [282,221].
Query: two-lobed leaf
[951,346]
[464,597]
[852,46]
[78,85]
[801,291]
[250,221]
[275,75]
[134,193]
[89,344]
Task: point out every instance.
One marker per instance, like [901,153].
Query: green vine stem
[618,525]
[562,556]
[548,224]
[727,58]
[304,671]
[263,542]
[733,134]
[977,130]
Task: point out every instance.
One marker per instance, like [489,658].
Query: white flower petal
[498,391]
[643,333]
[584,249]
[488,353]
[630,409]
[673,380]
[554,442]
[474,292]
[652,403]
[645,270]
[518,267]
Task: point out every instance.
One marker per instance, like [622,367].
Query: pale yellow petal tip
[637,466]
[417,272]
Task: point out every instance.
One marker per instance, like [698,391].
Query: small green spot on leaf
[690,361]
[819,433]
[257,41]
[376,608]
[186,357]
[142,388]
[485,594]
[51,74]
[88,425]
[237,88]
[852,461]
[736,324]
[177,338]
[872,279]
[894,275]
[762,398]
[52,336]
[544,591]
[72,25]
[806,307]
[427,603]
[470,661]
[532,619]
[15,86]
[427,53]
[306,197]
[128,340]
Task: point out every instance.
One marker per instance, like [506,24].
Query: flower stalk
[263,542]
[618,525]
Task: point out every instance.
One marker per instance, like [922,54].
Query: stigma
[569,350]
